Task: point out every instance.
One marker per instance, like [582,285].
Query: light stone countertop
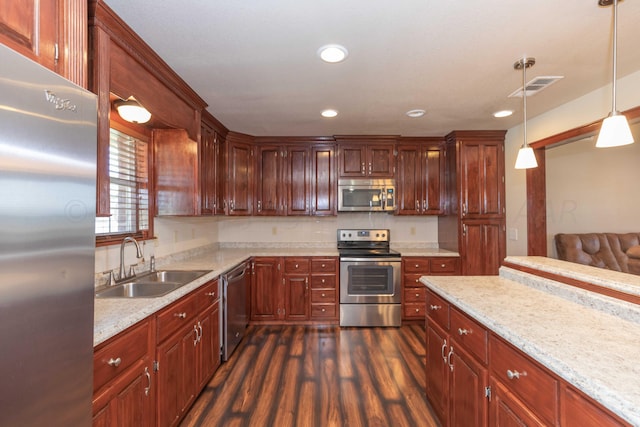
[623,282]
[114,315]
[593,350]
[424,252]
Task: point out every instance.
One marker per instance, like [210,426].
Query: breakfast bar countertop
[587,344]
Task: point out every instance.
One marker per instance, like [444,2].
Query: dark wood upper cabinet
[52,33]
[239,194]
[420,177]
[212,166]
[298,180]
[323,180]
[370,157]
[269,180]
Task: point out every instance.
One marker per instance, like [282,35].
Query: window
[128,189]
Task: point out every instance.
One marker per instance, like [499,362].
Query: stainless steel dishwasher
[235,315]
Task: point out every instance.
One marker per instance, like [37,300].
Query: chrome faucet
[139,254]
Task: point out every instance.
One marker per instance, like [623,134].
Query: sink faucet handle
[132,271]
[152,263]
[111,280]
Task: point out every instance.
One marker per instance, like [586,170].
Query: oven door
[370,281]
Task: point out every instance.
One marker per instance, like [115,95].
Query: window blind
[128,187]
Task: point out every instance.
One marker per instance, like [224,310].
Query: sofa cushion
[614,251]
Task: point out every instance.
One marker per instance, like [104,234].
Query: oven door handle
[371,259]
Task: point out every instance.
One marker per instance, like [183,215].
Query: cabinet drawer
[438,310]
[443,265]
[414,310]
[115,357]
[537,388]
[321,311]
[323,265]
[323,295]
[416,295]
[469,334]
[413,281]
[323,281]
[207,295]
[416,265]
[296,265]
[177,315]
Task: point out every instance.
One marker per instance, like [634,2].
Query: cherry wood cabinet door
[323,185]
[409,179]
[506,410]
[265,289]
[482,175]
[207,171]
[240,169]
[209,345]
[269,184]
[483,247]
[176,172]
[576,410]
[298,181]
[297,302]
[433,172]
[380,161]
[353,159]
[437,371]
[467,390]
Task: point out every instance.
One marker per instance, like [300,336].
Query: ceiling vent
[536,85]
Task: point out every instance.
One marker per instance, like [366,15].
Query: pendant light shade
[615,129]
[526,157]
[131,111]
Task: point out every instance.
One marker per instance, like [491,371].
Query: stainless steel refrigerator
[47,245]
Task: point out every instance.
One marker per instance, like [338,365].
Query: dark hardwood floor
[319,376]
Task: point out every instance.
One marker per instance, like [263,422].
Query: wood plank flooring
[319,376]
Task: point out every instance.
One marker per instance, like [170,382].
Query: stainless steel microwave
[366,195]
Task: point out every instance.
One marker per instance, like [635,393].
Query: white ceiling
[255,63]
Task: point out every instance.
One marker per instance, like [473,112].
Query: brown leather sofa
[619,252]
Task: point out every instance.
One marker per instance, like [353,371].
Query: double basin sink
[152,284]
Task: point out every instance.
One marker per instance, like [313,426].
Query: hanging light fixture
[615,129]
[131,111]
[526,157]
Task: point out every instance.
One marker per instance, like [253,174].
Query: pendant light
[526,157]
[615,129]
[131,111]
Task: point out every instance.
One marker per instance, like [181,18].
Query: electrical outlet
[513,234]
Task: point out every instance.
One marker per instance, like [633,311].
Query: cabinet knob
[322,280]
[417,295]
[417,310]
[514,375]
[323,310]
[323,294]
[417,280]
[417,266]
[114,362]
[441,265]
[296,266]
[435,307]
[182,315]
[322,265]
[463,331]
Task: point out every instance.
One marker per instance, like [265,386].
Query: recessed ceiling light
[329,113]
[503,113]
[333,53]
[415,113]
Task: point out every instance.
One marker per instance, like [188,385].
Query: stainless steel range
[369,278]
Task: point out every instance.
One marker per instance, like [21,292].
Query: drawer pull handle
[182,315]
[514,375]
[435,307]
[463,331]
[444,347]
[210,294]
[114,362]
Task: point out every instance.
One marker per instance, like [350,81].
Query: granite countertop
[623,282]
[424,252]
[590,348]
